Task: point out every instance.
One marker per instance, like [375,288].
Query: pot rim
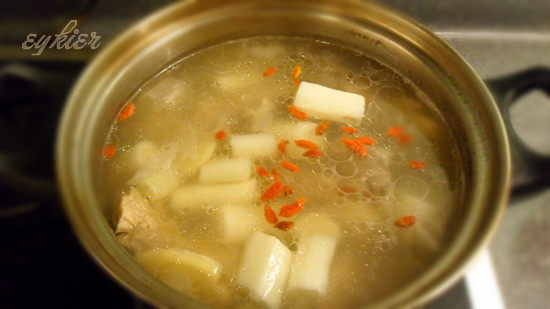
[84,228]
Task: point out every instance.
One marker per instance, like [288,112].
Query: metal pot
[390,38]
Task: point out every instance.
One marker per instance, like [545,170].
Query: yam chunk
[291,131]
[410,205]
[180,269]
[149,161]
[192,196]
[141,154]
[313,224]
[159,184]
[330,104]
[264,269]
[165,93]
[312,262]
[426,235]
[237,222]
[228,170]
[356,213]
[261,117]
[253,145]
[237,82]
[190,157]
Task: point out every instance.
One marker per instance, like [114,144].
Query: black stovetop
[41,262]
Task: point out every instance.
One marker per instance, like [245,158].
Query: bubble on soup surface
[317,169]
[338,152]
[381,156]
[390,97]
[326,184]
[328,173]
[438,174]
[413,187]
[362,212]
[379,182]
[362,82]
[332,136]
[382,119]
[350,197]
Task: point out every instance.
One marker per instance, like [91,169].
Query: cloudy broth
[188,166]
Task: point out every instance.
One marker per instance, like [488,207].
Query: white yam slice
[237,222]
[330,104]
[253,145]
[312,262]
[266,51]
[292,131]
[312,224]
[358,213]
[192,196]
[165,92]
[190,158]
[160,159]
[264,269]
[261,118]
[228,170]
[153,161]
[233,81]
[425,236]
[236,82]
[159,184]
[413,206]
[180,269]
[141,154]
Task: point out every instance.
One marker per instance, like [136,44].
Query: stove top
[42,262]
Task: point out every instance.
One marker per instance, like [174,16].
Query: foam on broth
[222,88]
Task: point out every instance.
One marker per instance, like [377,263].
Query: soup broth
[282,172]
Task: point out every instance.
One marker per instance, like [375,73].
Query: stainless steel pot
[392,39]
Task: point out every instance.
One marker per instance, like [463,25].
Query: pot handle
[531,170]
